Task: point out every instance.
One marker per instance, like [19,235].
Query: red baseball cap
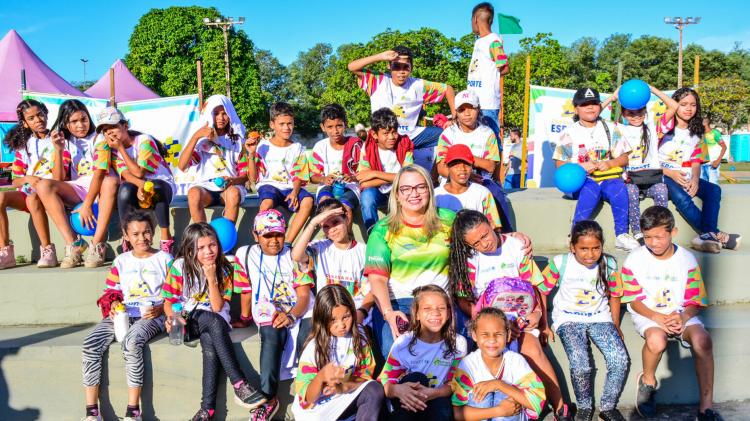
[459,153]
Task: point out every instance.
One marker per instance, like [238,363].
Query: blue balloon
[634,94]
[227,233]
[569,178]
[77,224]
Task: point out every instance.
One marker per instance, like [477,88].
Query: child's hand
[526,240]
[388,55]
[365,175]
[328,180]
[86,214]
[141,193]
[616,93]
[546,336]
[411,396]
[206,132]
[280,320]
[58,139]
[333,374]
[515,332]
[588,166]
[692,186]
[482,389]
[603,166]
[153,312]
[508,407]
[348,178]
[292,200]
[209,271]
[323,216]
[476,178]
[663,321]
[112,306]
[251,142]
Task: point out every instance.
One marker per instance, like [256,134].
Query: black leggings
[127,200]
[439,409]
[369,404]
[218,353]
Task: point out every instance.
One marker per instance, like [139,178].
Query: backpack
[514,296]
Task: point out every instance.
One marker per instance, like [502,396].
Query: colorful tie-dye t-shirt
[663,286]
[145,153]
[88,155]
[578,299]
[476,197]
[174,290]
[139,279]
[219,158]
[487,60]
[405,101]
[514,371]
[37,159]
[272,281]
[342,354]
[279,166]
[410,258]
[482,142]
[426,358]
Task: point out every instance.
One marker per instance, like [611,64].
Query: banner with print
[170,120]
[550,112]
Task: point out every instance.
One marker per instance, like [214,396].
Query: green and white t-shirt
[409,258]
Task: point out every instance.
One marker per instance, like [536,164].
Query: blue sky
[63,32]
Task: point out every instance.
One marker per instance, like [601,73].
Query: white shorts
[81,186]
[642,323]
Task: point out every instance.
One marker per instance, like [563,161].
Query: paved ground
[730,411]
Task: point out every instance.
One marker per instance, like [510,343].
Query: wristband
[291,317]
[387,312]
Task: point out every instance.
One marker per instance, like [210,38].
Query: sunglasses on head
[400,66]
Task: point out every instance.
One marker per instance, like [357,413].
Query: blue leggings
[612,191]
[575,339]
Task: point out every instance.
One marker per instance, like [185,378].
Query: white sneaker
[626,242]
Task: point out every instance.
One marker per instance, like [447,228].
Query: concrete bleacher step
[41,371]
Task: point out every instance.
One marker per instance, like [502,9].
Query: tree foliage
[725,101]
[166,43]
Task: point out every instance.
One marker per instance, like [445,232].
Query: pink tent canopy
[15,55]
[127,87]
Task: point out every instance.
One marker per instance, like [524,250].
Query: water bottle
[338,189]
[121,322]
[582,155]
[28,189]
[220,182]
[148,195]
[177,325]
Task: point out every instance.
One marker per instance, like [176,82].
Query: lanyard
[264,277]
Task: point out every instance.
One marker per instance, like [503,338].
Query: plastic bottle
[338,189]
[220,182]
[177,325]
[582,156]
[148,195]
[28,189]
[121,322]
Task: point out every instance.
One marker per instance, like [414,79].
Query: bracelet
[291,317]
[387,312]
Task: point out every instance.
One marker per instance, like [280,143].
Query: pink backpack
[514,296]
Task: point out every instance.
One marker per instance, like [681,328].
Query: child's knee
[701,341]
[109,185]
[656,341]
[45,187]
[306,204]
[232,196]
[33,203]
[265,204]
[194,195]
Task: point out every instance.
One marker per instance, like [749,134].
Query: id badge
[265,310]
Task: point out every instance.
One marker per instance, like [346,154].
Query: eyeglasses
[420,188]
[396,66]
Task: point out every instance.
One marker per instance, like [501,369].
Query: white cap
[467,97]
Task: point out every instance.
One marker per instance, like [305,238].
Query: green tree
[165,44]
[306,86]
[274,77]
[725,101]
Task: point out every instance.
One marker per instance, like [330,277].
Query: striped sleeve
[102,155]
[366,367]
[489,208]
[452,371]
[316,163]
[533,389]
[299,169]
[19,167]
[306,372]
[370,81]
[363,164]
[461,384]
[497,53]
[240,279]
[408,159]
[700,153]
[442,147]
[614,281]
[393,371]
[549,279]
[631,289]
[172,288]
[664,125]
[492,148]
[113,279]
[227,293]
[695,290]
[148,155]
[242,166]
[433,92]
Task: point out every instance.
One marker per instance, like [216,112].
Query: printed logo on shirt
[664,299]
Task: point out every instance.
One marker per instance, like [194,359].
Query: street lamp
[225,24]
[680,23]
[84,60]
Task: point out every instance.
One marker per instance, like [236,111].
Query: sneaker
[7,257]
[563,414]
[266,411]
[48,257]
[95,256]
[201,415]
[626,242]
[73,254]
[709,415]
[639,238]
[645,404]
[611,415]
[166,246]
[248,397]
[706,242]
[585,414]
[729,241]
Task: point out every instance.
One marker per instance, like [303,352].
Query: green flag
[509,24]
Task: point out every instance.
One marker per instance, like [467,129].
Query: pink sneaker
[7,257]
[48,257]
[166,246]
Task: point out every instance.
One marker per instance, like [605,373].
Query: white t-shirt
[326,160]
[476,197]
[145,153]
[515,154]
[343,267]
[484,75]
[389,160]
[482,142]
[505,262]
[83,157]
[220,158]
[36,159]
[583,144]
[278,166]
[405,101]
[679,151]
[665,285]
[428,359]
[271,280]
[139,279]
[630,139]
[578,299]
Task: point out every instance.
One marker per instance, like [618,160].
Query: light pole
[84,61]
[225,25]
[680,23]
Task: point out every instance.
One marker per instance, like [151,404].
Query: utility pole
[680,23]
[225,24]
[84,61]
